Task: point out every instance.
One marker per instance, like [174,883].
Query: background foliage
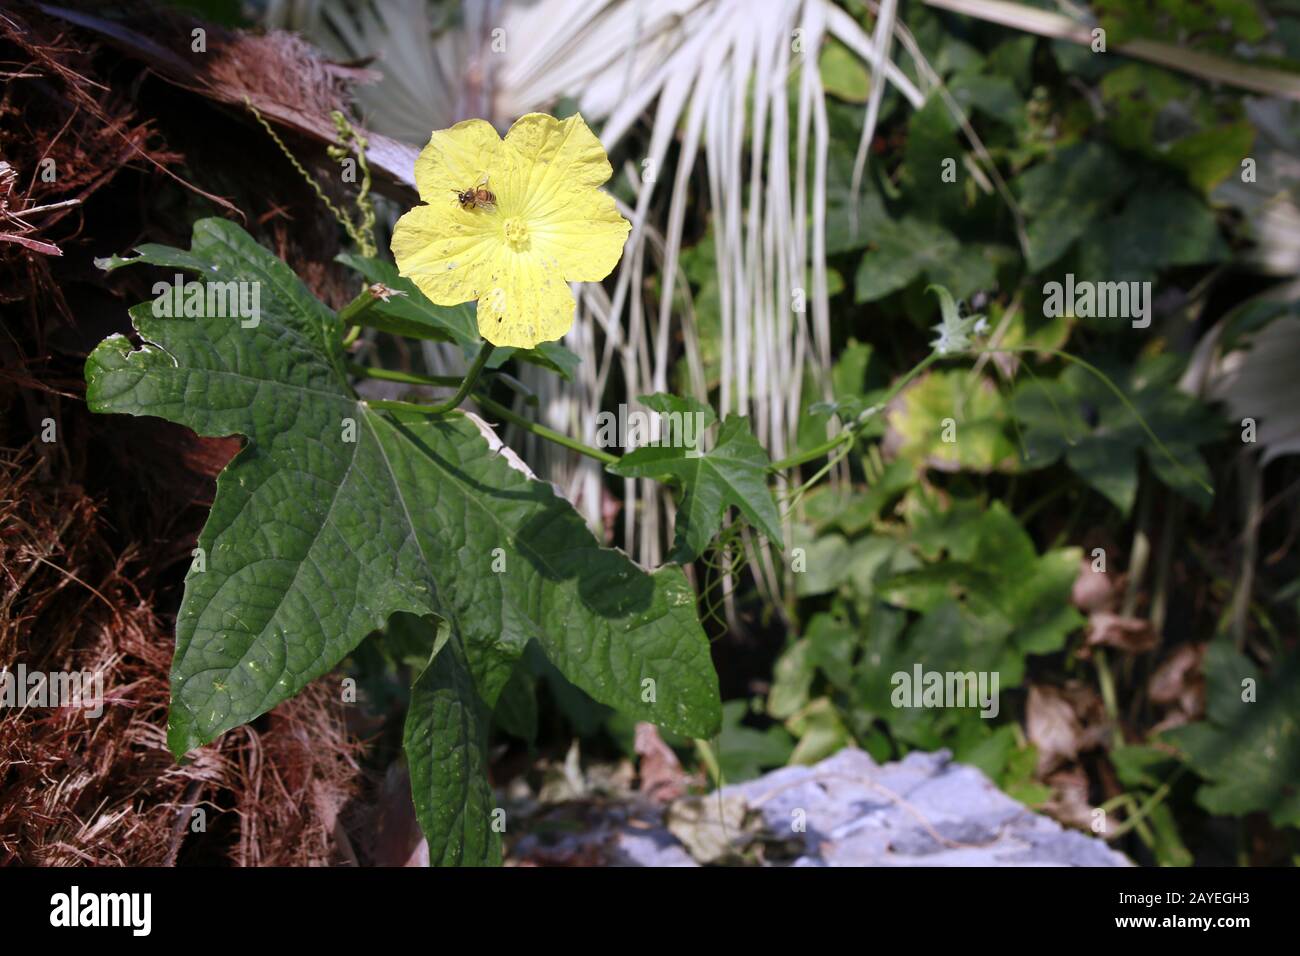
[1121,691]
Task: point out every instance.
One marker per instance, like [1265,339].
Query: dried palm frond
[729,95]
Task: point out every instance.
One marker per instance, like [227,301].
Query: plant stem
[710,760]
[352,312]
[406,378]
[480,360]
[812,454]
[851,431]
[399,406]
[1118,393]
[1108,698]
[493,408]
[541,431]
[1150,804]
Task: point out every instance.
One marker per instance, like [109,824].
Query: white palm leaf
[711,77]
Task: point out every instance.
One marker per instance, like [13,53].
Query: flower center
[516,232]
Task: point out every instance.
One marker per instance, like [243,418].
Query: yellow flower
[549,224]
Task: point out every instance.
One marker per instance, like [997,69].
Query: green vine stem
[812,454]
[353,312]
[1138,817]
[836,448]
[405,378]
[849,433]
[502,412]
[1117,392]
[350,316]
[541,431]
[352,141]
[467,384]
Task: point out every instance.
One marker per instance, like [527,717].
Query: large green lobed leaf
[337,515]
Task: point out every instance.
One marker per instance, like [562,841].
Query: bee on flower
[510,223]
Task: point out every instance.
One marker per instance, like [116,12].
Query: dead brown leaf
[1133,635]
[662,777]
[1062,722]
[1179,685]
[1069,804]
[1093,590]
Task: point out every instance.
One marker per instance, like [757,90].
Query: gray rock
[924,810]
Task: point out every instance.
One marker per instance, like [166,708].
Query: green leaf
[667,404]
[411,314]
[1078,417]
[792,678]
[733,472]
[1062,196]
[832,643]
[909,248]
[904,250]
[995,96]
[874,559]
[743,752]
[337,515]
[852,216]
[550,355]
[1019,779]
[932,145]
[1216,25]
[445,739]
[956,330]
[949,421]
[825,562]
[853,364]
[685,418]
[820,730]
[942,527]
[1141,766]
[1160,227]
[1164,117]
[1014,58]
[990,750]
[1248,746]
[1002,600]
[843,73]
[1212,155]
[854,510]
[516,709]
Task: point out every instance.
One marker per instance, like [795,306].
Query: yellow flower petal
[562,155]
[524,304]
[585,239]
[455,158]
[550,223]
[442,249]
[556,168]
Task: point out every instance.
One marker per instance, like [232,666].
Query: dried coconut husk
[81,790]
[97,527]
